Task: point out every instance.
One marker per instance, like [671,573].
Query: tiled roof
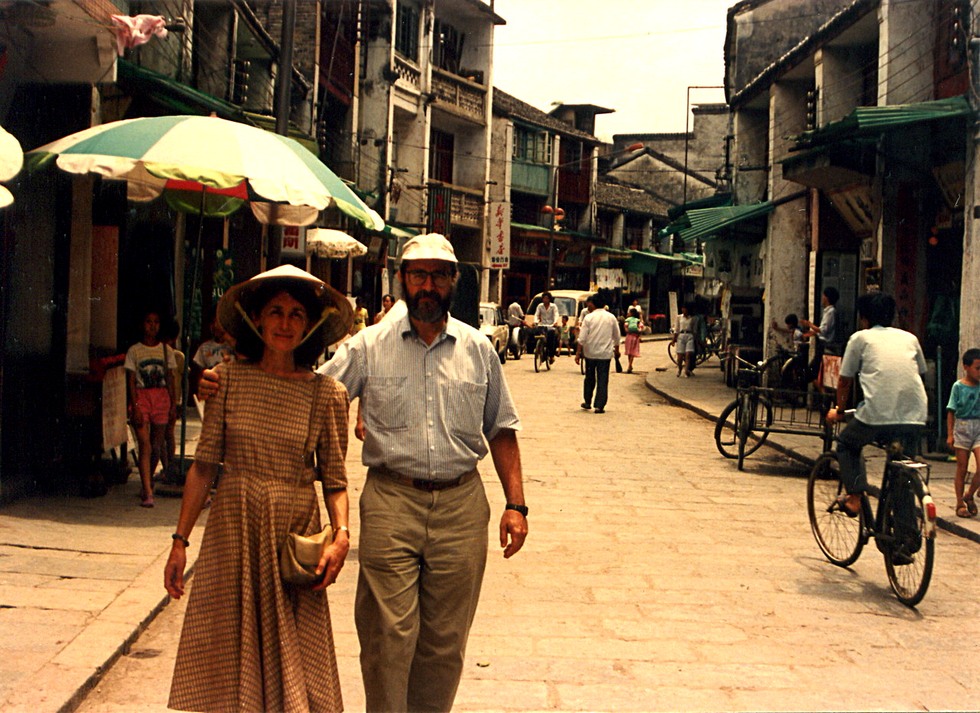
[508,105]
[635,200]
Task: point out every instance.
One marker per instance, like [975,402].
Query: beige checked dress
[249,642]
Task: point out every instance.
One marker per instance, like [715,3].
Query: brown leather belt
[421,483]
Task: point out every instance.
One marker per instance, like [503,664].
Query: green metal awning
[637,260]
[183,99]
[174,95]
[870,121]
[707,223]
[715,201]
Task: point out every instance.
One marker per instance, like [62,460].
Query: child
[565,338]
[633,326]
[963,427]
[793,329]
[150,367]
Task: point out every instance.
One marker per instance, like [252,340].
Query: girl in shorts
[150,387]
[963,429]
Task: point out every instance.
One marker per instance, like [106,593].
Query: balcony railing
[459,96]
[408,73]
[465,204]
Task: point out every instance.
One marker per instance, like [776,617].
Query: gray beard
[428,314]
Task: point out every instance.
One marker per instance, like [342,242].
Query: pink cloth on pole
[134,31]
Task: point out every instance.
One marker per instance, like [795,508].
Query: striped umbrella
[235,162]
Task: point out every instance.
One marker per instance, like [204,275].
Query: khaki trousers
[421,556]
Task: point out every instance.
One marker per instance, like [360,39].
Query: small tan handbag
[299,557]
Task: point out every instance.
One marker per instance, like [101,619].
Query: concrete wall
[750,155]
[785,251]
[905,64]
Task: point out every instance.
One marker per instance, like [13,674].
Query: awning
[174,95]
[536,231]
[678,214]
[715,201]
[870,121]
[707,223]
[182,99]
[637,261]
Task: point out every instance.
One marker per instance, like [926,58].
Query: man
[598,342]
[891,364]
[546,318]
[515,318]
[433,399]
[827,332]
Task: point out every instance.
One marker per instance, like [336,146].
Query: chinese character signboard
[500,235]
[293,241]
[440,210]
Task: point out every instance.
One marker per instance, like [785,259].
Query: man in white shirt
[598,343]
[515,318]
[890,363]
[546,318]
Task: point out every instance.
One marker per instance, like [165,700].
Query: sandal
[971,504]
[963,511]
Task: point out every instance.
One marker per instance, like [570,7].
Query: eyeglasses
[440,278]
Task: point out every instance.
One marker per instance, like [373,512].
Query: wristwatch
[522,509]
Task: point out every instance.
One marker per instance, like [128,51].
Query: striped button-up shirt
[429,410]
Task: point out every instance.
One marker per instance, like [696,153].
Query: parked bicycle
[761,406]
[903,528]
[715,344]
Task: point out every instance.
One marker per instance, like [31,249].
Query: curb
[944,523]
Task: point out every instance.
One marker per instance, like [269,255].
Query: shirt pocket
[387,407]
[464,401]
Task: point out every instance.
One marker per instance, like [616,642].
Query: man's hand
[835,415]
[514,526]
[208,385]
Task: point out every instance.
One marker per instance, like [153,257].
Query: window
[441,156]
[532,146]
[447,49]
[407,31]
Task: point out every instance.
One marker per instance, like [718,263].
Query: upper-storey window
[407,31]
[447,47]
[532,146]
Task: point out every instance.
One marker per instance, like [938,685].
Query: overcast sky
[635,56]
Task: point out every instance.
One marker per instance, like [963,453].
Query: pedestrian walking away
[249,640]
[598,344]
[631,345]
[434,404]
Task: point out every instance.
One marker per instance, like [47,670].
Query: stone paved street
[657,577]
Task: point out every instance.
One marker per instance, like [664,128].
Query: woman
[634,326]
[387,301]
[249,641]
[150,385]
[683,340]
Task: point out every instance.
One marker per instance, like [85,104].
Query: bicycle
[761,407]
[541,352]
[714,345]
[903,528]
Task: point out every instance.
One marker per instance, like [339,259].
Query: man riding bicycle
[891,364]
[546,322]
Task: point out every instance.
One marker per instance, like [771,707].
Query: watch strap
[522,509]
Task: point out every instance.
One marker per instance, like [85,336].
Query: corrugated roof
[708,222]
[874,120]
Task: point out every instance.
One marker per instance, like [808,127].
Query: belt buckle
[426,485]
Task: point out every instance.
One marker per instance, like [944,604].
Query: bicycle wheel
[837,535]
[726,436]
[909,546]
[538,356]
[670,353]
[754,412]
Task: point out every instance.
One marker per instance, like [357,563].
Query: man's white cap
[431,246]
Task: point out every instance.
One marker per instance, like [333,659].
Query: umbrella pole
[188,308]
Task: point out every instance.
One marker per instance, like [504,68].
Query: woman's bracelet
[177,536]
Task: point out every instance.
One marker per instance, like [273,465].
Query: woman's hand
[173,573]
[208,386]
[332,559]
